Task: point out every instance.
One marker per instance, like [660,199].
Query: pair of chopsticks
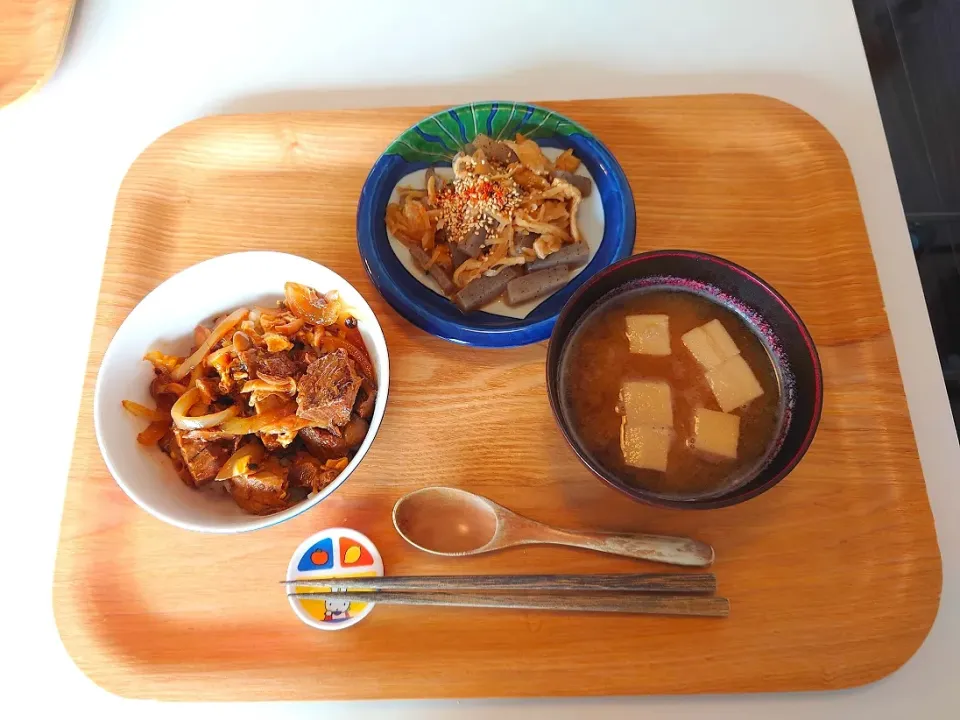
[653,594]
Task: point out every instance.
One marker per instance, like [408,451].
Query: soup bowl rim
[737,494]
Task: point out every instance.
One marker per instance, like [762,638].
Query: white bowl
[164,320]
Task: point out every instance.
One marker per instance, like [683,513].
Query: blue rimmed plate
[433,142]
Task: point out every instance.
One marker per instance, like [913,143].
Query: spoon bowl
[446,521]
[455,523]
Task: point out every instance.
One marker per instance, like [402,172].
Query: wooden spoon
[454,523]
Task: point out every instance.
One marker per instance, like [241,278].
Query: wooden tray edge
[128,685]
[120,686]
[19,87]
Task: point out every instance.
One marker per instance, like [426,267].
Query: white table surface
[134,69]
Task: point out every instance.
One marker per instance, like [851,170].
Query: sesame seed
[468,204]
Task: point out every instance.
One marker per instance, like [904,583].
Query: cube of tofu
[649,334]
[710,344]
[733,384]
[647,402]
[716,434]
[645,446]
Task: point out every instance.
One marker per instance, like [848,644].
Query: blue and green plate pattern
[433,142]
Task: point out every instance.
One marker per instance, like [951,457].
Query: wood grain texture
[833,576]
[32,36]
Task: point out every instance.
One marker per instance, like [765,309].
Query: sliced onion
[287,425]
[306,303]
[186,401]
[154,433]
[289,328]
[285,432]
[159,360]
[215,356]
[255,423]
[222,328]
[171,389]
[196,374]
[242,341]
[338,464]
[207,435]
[200,333]
[144,412]
[266,385]
[243,461]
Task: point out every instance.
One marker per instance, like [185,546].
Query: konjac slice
[443,278]
[580,182]
[536,284]
[573,255]
[485,289]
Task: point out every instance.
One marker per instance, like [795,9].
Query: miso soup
[647,406]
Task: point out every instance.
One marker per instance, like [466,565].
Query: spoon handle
[658,548]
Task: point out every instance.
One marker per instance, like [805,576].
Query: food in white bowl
[218,402]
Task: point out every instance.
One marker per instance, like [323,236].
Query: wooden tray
[834,575]
[32,36]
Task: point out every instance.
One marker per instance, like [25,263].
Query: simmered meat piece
[168,443]
[323,444]
[270,441]
[327,446]
[328,390]
[161,378]
[366,399]
[304,356]
[355,431]
[308,472]
[256,361]
[282,433]
[202,458]
[260,494]
[248,361]
[278,365]
[265,491]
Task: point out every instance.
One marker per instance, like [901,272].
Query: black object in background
[913,49]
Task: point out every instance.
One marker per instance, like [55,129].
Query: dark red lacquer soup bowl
[761,308]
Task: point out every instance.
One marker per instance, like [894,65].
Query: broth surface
[597,360]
